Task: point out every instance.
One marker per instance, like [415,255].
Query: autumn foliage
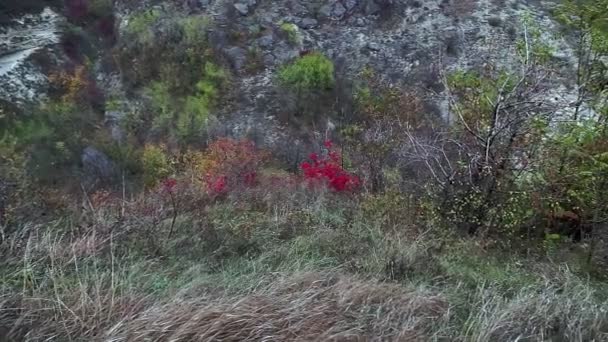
[327,170]
[230,163]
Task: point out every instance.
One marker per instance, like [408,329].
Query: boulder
[308,23]
[338,11]
[237,57]
[242,8]
[97,166]
[350,4]
[266,41]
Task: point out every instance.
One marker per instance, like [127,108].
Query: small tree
[573,170]
[586,20]
[479,162]
[383,113]
[185,118]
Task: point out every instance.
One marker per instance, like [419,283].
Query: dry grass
[310,306]
[306,307]
[320,283]
[568,310]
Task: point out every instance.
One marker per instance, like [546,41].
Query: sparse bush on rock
[312,72]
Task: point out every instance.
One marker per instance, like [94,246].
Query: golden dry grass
[306,307]
[303,307]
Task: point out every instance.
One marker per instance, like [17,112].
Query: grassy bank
[306,269]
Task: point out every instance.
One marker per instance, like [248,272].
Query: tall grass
[300,268]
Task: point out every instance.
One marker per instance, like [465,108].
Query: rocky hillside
[21,41]
[407,42]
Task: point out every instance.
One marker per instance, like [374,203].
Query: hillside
[289,170]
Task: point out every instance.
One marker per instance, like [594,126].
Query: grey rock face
[268,59]
[20,79]
[266,41]
[218,39]
[97,166]
[406,42]
[373,46]
[325,11]
[285,53]
[371,7]
[242,8]
[237,57]
[113,121]
[421,37]
[308,23]
[338,10]
[350,4]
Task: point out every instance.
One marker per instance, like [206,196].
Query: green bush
[52,137]
[162,104]
[139,26]
[309,73]
[156,164]
[194,28]
[533,43]
[193,118]
[475,92]
[186,116]
[292,32]
[181,82]
[126,156]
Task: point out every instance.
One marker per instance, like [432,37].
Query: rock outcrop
[22,76]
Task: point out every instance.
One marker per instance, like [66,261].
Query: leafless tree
[486,155]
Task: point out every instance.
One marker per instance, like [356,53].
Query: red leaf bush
[327,170]
[168,185]
[230,163]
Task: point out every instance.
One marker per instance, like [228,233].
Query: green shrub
[186,116]
[207,93]
[533,44]
[292,32]
[156,164]
[139,26]
[194,28]
[162,104]
[126,156]
[193,118]
[309,73]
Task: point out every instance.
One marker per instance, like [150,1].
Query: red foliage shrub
[230,163]
[217,184]
[327,169]
[169,185]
